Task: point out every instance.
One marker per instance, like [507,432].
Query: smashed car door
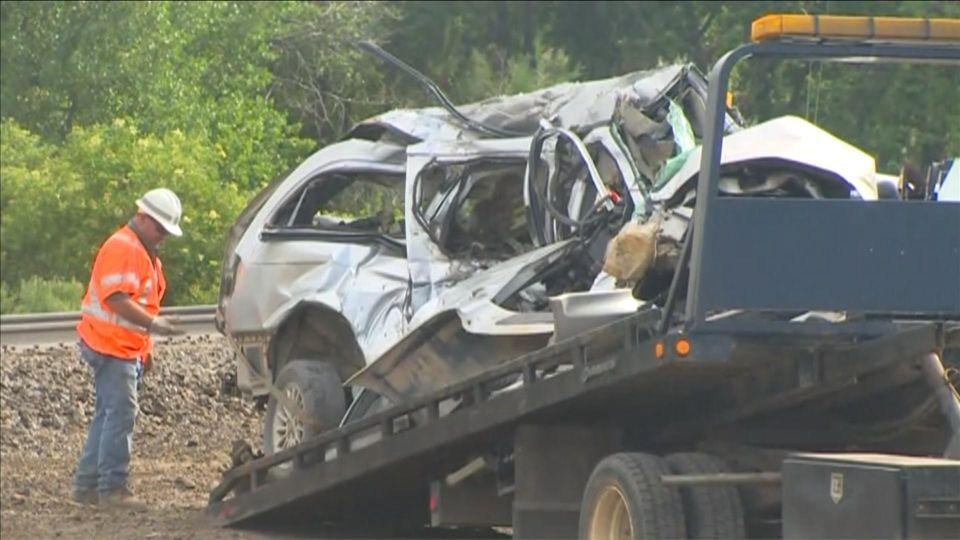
[464,202]
[338,241]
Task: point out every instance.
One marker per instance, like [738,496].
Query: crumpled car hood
[786,139]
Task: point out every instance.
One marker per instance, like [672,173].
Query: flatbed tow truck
[676,423]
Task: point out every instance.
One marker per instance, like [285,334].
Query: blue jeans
[104,463]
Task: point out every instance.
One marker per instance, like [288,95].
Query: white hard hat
[162,205]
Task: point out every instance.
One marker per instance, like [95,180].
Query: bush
[59,205]
[7,299]
[37,295]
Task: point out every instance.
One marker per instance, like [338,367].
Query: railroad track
[46,328]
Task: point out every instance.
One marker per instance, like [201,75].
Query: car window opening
[474,210]
[362,203]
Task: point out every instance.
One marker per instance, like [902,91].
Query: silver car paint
[793,141]
[431,271]
[412,367]
[358,281]
[253,308]
[573,106]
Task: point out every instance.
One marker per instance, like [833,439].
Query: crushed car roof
[569,105]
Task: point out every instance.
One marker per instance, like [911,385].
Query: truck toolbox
[829,495]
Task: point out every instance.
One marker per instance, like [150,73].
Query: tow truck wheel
[315,388]
[711,511]
[624,500]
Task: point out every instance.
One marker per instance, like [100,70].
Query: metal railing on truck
[578,364]
[888,257]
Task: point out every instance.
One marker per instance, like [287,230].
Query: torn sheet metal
[437,355]
[576,106]
[431,269]
[579,312]
[791,142]
[463,331]
[474,299]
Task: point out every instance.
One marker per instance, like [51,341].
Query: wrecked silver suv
[431,244]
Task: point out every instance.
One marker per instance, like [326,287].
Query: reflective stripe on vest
[113,279]
[94,309]
[147,285]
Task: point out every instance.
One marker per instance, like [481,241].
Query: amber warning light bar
[770,27]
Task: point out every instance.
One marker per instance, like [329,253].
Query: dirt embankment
[181,443]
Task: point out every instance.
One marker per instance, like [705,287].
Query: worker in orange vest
[120,311]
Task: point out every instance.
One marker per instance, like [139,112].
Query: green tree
[201,68]
[899,113]
[102,100]
[475,50]
[58,205]
[320,77]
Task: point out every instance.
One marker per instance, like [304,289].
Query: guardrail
[44,328]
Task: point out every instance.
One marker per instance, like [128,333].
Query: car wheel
[315,388]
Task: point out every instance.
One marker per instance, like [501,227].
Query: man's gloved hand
[165,326]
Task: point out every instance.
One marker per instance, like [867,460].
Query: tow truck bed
[381,462]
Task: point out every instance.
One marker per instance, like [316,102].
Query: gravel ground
[182,442]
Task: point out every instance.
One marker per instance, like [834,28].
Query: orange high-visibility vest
[122,265]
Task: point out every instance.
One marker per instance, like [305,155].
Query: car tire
[711,511]
[317,388]
[624,498]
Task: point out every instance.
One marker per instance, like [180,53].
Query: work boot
[121,497]
[85,496]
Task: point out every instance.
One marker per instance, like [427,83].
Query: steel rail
[45,328]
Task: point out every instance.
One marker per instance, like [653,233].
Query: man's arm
[124,306]
[131,311]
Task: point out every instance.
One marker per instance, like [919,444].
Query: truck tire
[624,499]
[711,511]
[314,386]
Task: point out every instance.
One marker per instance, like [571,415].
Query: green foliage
[475,50]
[383,199]
[898,113]
[8,299]
[320,77]
[483,77]
[57,212]
[200,68]
[103,100]
[38,295]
